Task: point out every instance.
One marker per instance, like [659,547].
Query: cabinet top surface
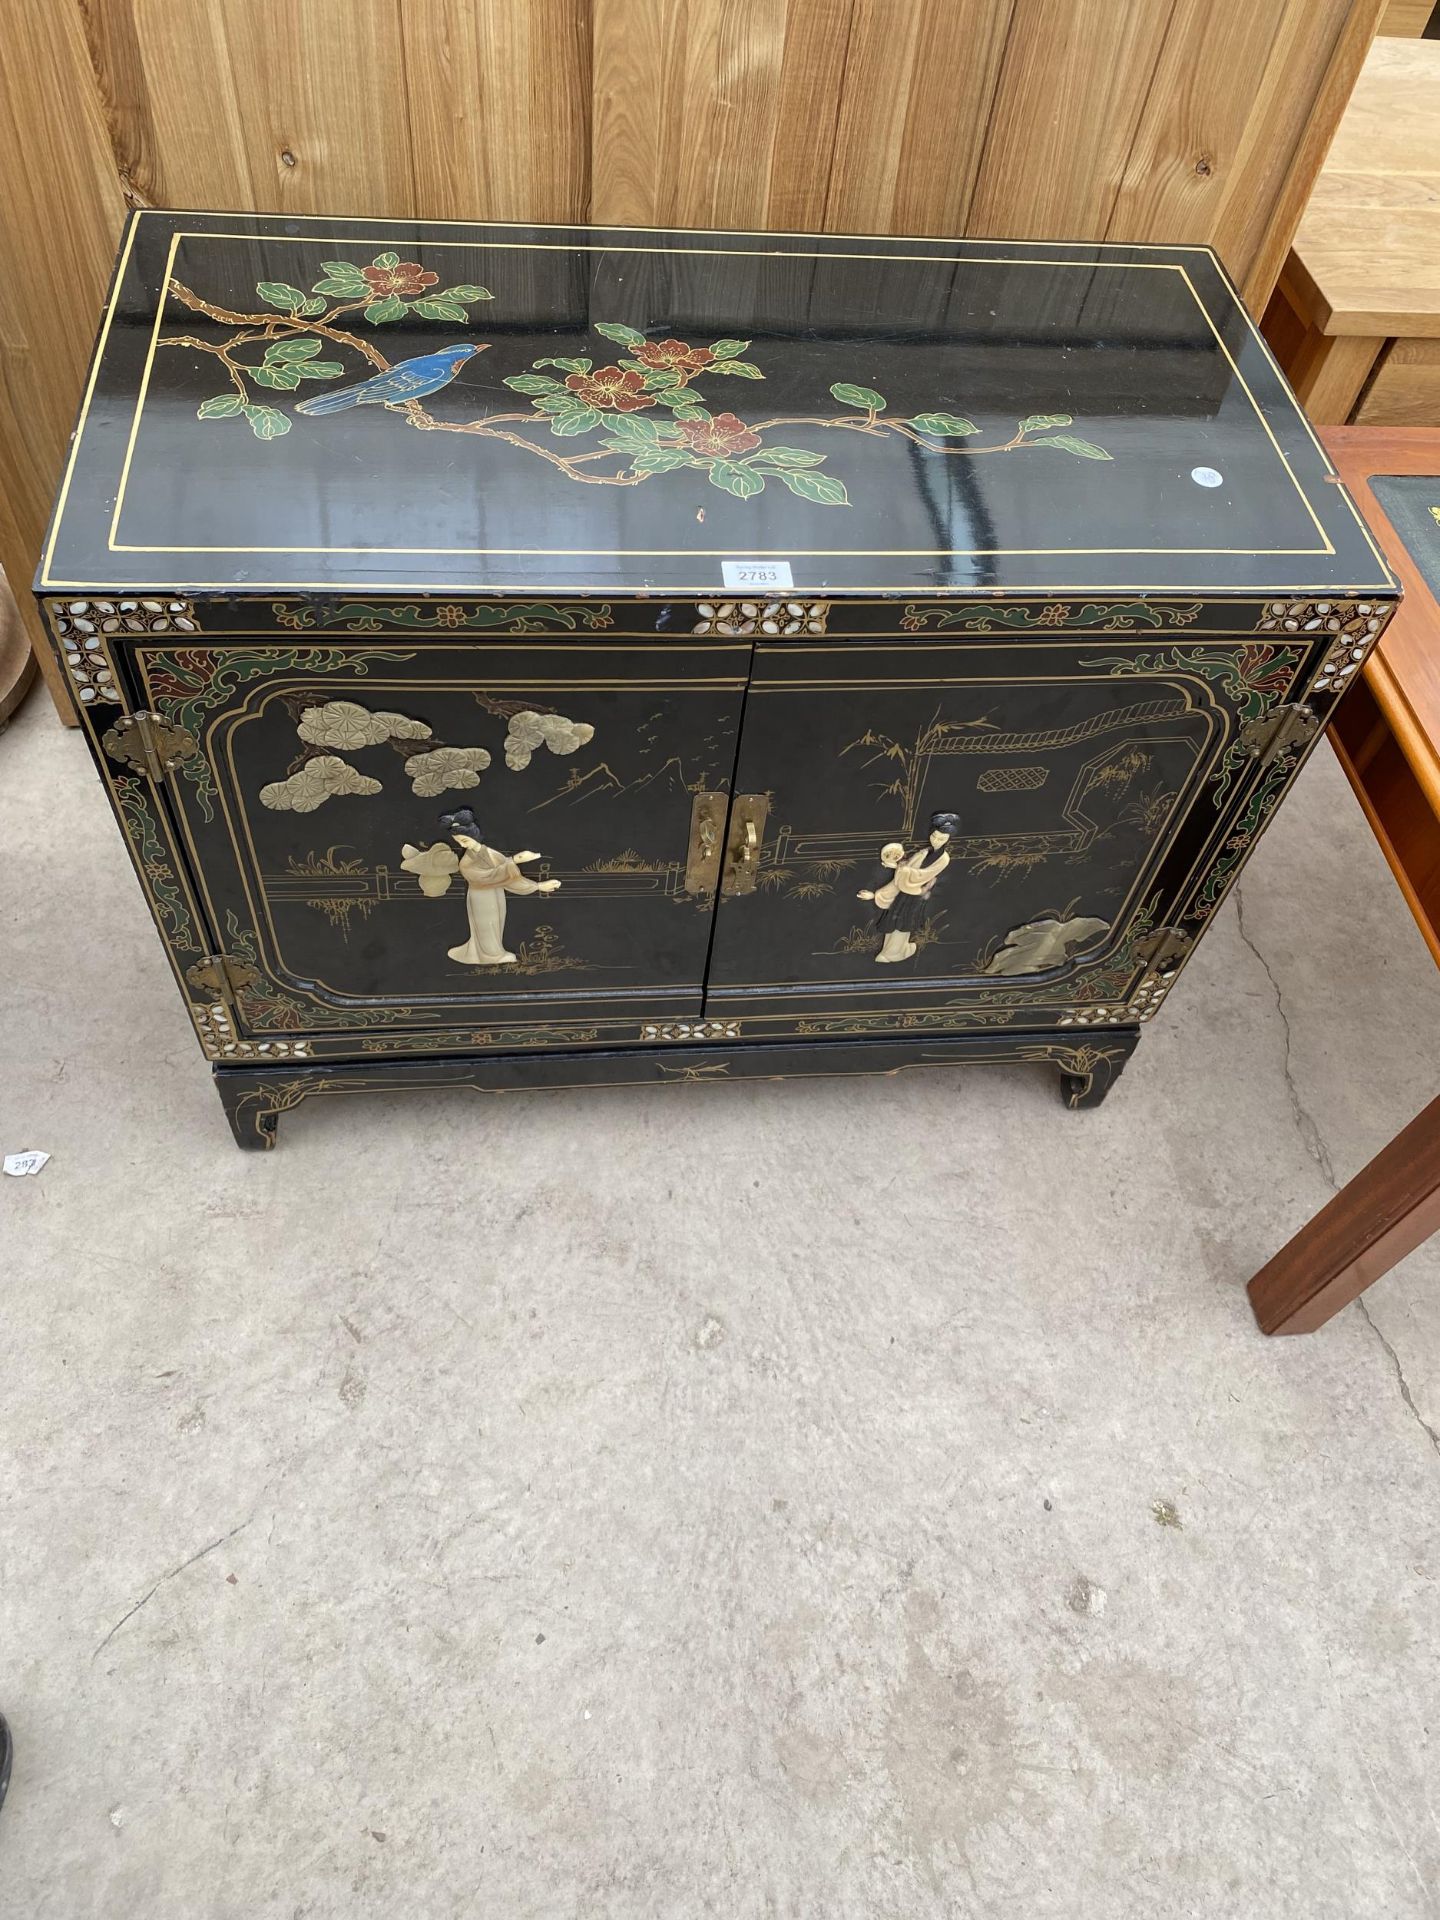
[342,405]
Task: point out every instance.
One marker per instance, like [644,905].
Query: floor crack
[1304,1120]
[1402,1382]
[1320,1153]
[174,1571]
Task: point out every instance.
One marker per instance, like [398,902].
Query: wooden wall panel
[914,114]
[1319,49]
[1184,160]
[62,214]
[499,105]
[1196,120]
[1407,19]
[716,113]
[286,107]
[1074,82]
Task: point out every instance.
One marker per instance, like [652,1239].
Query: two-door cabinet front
[534,657]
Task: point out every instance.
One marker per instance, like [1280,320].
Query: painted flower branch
[293,334]
[646,408]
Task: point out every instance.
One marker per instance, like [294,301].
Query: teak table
[1387,737]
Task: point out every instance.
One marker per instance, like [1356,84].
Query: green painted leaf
[355,289]
[569,366]
[466,293]
[787,457]
[379,311]
[741,367]
[276,293]
[312,306]
[1038,422]
[561,402]
[268,376]
[628,429]
[1072,443]
[223,407]
[342,270]
[823,488]
[302,349]
[738,480]
[267,422]
[633,366]
[577,420]
[684,409]
[386,260]
[728,349]
[943,424]
[613,330]
[661,379]
[437,309]
[866,397]
[320,369]
[662,459]
[532,382]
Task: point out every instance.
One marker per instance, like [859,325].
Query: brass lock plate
[748,813]
[147,745]
[707,844]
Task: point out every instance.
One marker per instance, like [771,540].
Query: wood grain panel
[691,108]
[1405,391]
[63,210]
[1367,254]
[262,104]
[1407,17]
[499,105]
[919,85]
[1074,81]
[1185,159]
[1316,57]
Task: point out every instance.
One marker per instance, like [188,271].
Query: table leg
[1385,1212]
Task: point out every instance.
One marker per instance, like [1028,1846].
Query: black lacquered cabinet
[544,656]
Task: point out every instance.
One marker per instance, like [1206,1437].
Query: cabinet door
[312,810]
[1095,784]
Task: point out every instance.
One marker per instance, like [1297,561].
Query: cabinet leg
[1087,1073]
[252,1117]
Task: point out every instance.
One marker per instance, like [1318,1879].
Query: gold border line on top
[318,240]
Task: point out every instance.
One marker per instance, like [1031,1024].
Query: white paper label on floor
[744,576]
[23,1163]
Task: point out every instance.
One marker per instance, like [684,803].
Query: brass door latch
[702,859]
[747,834]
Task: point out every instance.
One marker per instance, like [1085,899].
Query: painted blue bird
[413,379]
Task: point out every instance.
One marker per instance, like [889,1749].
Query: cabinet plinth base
[255,1097]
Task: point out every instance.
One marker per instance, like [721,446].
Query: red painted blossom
[408,277]
[723,435]
[612,387]
[674,356]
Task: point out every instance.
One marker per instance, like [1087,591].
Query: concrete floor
[839,1499]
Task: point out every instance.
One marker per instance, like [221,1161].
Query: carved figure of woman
[904,888]
[488,875]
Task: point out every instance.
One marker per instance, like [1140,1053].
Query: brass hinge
[223,978]
[1164,949]
[148,744]
[747,833]
[707,844]
[1278,731]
